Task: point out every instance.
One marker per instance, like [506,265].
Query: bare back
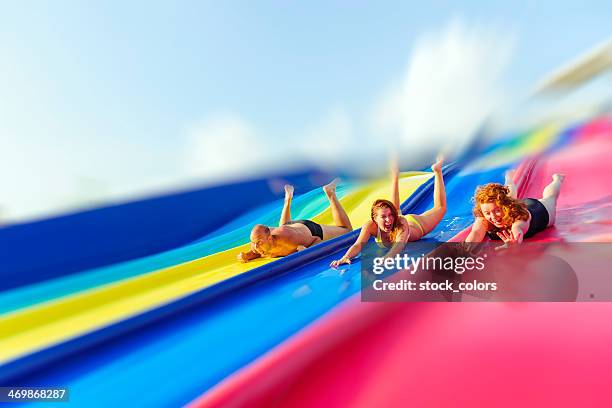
[287,239]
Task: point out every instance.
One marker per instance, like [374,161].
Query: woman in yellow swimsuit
[390,228]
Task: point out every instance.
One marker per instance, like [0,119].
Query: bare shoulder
[404,225]
[282,230]
[480,224]
[403,222]
[371,227]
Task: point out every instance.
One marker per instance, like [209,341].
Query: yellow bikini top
[411,220]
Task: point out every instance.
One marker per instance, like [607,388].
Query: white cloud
[42,174]
[32,178]
[50,165]
[330,140]
[225,146]
[452,83]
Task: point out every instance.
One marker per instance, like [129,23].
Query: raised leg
[510,183]
[395,197]
[339,216]
[430,218]
[286,213]
[550,194]
[439,190]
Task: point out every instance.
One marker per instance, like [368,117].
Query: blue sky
[109,100]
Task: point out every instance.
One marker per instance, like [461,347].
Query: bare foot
[330,189]
[394,166]
[558,176]
[437,166]
[288,191]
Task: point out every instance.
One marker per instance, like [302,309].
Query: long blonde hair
[382,203]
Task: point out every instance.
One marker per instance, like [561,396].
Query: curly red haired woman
[501,216]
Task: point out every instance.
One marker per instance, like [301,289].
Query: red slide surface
[452,354]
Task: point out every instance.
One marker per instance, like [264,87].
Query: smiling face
[493,213]
[494,203]
[385,219]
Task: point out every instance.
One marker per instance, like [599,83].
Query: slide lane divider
[263,381]
[19,367]
[265,375]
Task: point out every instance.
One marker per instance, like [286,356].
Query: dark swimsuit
[314,228]
[539,219]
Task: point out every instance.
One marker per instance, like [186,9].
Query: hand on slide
[509,238]
[343,260]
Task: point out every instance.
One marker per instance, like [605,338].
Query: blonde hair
[382,203]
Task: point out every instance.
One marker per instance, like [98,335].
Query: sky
[107,101]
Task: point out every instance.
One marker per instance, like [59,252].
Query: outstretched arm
[247,256]
[355,249]
[479,230]
[518,229]
[515,234]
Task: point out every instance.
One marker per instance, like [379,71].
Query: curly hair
[512,208]
[382,203]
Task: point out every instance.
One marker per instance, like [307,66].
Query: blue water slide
[46,249]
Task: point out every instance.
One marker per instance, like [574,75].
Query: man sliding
[296,235]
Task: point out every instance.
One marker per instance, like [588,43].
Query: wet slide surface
[210,334]
[234,234]
[155,365]
[84,311]
[441,354]
[228,334]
